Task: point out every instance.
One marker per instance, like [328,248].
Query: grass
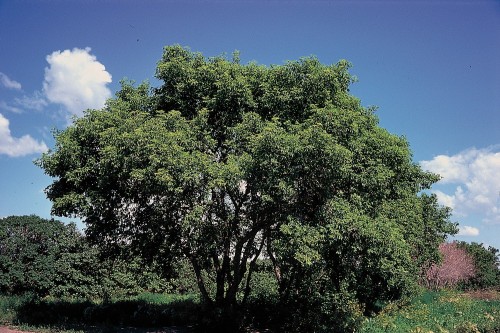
[146,310]
[443,312]
[430,312]
[9,306]
[164,299]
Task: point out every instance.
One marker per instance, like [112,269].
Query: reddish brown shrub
[457,266]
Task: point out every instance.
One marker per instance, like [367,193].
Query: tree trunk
[276,267]
[201,284]
[250,271]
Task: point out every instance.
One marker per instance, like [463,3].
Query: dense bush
[44,256]
[144,310]
[50,258]
[487,266]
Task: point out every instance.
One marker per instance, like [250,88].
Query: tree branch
[251,269]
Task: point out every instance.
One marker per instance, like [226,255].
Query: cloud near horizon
[467,231]
[76,80]
[8,83]
[16,147]
[474,176]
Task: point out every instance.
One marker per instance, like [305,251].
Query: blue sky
[431,67]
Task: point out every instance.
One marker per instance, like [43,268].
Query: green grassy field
[436,312]
[73,315]
[439,312]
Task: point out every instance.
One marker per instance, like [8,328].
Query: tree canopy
[224,163]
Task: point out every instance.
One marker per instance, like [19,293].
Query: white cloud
[9,108]
[450,168]
[475,176]
[445,199]
[8,83]
[15,147]
[76,80]
[467,231]
[35,102]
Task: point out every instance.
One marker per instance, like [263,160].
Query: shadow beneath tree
[120,316]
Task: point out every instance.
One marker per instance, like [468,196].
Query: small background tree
[47,257]
[457,266]
[487,265]
[43,256]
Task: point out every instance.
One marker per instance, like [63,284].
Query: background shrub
[50,258]
[487,266]
[457,266]
[43,257]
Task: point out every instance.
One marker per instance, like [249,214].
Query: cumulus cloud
[15,147]
[76,80]
[450,168]
[8,83]
[445,199]
[467,231]
[474,174]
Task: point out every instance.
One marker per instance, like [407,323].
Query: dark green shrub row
[442,311]
[135,313]
[50,258]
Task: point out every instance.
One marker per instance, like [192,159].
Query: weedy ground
[441,312]
[430,312]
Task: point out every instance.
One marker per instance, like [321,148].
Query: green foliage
[487,264]
[9,306]
[49,258]
[43,256]
[224,163]
[183,280]
[127,276]
[352,263]
[263,286]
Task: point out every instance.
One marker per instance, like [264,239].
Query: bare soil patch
[5,329]
[485,295]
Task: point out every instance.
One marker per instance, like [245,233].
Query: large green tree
[225,163]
